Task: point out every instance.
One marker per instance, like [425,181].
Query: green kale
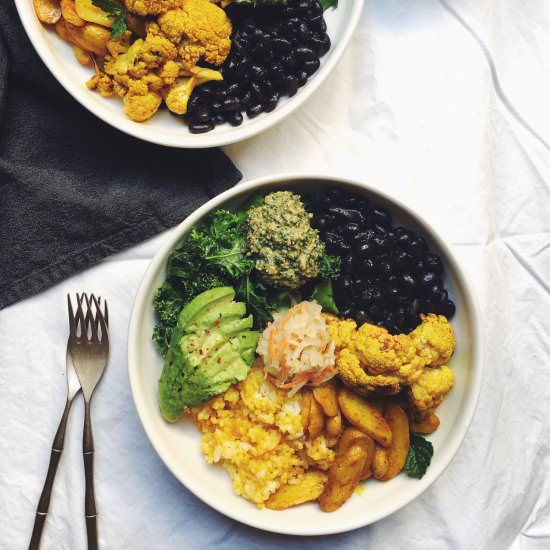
[221,242]
[326,4]
[420,455]
[324,295]
[115,11]
[330,266]
[255,295]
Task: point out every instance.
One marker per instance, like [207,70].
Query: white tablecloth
[412,108]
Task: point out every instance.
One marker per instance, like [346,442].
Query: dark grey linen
[73,189]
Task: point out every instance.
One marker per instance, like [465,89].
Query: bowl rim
[445,456]
[35,31]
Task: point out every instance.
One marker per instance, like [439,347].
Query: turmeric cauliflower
[201,30]
[372,361]
[151,7]
[430,389]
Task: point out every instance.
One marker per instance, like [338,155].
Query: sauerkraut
[296,348]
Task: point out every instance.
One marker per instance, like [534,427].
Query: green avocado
[211,348]
[202,302]
[213,315]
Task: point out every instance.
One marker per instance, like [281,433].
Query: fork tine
[106,313]
[101,319]
[80,315]
[72,324]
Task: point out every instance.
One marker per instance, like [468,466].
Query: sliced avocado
[231,327]
[212,316]
[200,346]
[246,343]
[223,362]
[205,300]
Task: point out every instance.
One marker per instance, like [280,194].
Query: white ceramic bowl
[178,444]
[164,128]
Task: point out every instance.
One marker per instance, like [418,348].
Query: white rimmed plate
[178,444]
[164,128]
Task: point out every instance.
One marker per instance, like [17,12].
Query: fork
[89,349]
[73,387]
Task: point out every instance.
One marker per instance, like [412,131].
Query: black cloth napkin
[73,189]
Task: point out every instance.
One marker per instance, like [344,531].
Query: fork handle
[44,502]
[89,500]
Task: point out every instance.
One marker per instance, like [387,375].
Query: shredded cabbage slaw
[296,348]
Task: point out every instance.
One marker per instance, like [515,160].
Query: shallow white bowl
[178,444]
[164,128]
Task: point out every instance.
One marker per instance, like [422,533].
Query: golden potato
[82,56]
[327,396]
[70,15]
[343,476]
[47,11]
[379,462]
[87,11]
[364,416]
[426,425]
[91,38]
[334,425]
[396,453]
[309,487]
[316,419]
[305,408]
[351,436]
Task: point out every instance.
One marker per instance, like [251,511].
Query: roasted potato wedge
[426,425]
[47,11]
[316,419]
[309,487]
[327,396]
[396,453]
[91,37]
[364,416]
[82,56]
[351,436]
[334,425]
[343,476]
[68,12]
[87,11]
[379,462]
[305,408]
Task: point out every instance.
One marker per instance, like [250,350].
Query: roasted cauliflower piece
[357,379]
[200,29]
[430,389]
[151,7]
[372,361]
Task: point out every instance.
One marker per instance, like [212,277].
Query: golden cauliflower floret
[151,7]
[434,339]
[430,389]
[384,353]
[354,377]
[140,107]
[102,83]
[342,331]
[201,28]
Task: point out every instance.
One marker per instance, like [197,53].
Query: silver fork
[89,349]
[73,387]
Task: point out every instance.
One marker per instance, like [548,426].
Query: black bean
[321,44]
[291,85]
[271,102]
[281,44]
[351,229]
[347,313]
[429,280]
[348,263]
[447,308]
[201,127]
[302,78]
[311,66]
[366,267]
[235,118]
[231,104]
[384,270]
[361,316]
[304,54]
[347,214]
[202,114]
[343,286]
[363,251]
[193,103]
[257,72]
[254,110]
[433,262]
[409,283]
[381,217]
[402,260]
[218,119]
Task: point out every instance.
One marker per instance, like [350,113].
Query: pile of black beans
[389,276]
[274,50]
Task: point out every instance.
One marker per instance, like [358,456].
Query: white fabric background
[412,109]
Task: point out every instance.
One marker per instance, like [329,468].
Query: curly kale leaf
[221,242]
[326,4]
[420,455]
[324,295]
[330,267]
